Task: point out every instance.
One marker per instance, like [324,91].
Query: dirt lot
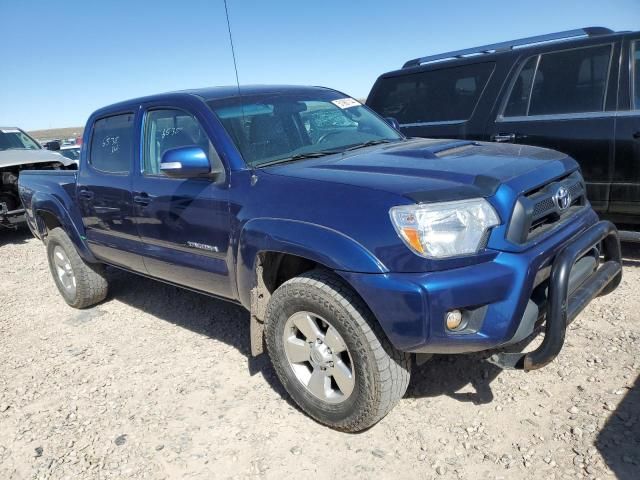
[158,383]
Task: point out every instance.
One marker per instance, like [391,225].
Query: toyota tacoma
[355,250]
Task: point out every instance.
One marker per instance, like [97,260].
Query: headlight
[447,229]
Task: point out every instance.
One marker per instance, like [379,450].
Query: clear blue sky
[63,59]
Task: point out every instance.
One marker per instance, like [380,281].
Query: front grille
[543,206]
[539,211]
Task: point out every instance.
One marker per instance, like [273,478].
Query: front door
[565,100]
[625,190]
[183,223]
[104,192]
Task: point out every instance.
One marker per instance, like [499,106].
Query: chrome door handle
[503,137]
[87,194]
[142,199]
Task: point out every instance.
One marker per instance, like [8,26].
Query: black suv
[576,91]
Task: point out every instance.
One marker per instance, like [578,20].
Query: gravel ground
[157,382]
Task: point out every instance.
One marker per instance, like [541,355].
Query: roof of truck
[211,93]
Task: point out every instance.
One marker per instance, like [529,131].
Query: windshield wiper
[370,143]
[298,156]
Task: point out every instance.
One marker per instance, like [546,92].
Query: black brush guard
[562,309]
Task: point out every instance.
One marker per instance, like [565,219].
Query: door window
[518,102]
[636,74]
[111,142]
[166,129]
[443,95]
[571,81]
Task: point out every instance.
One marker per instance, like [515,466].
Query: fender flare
[317,243]
[70,222]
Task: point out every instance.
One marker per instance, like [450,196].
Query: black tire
[381,373]
[91,286]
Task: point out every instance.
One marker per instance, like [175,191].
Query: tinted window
[519,98]
[111,143]
[447,94]
[167,129]
[572,81]
[636,70]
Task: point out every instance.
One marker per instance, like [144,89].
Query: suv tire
[379,374]
[80,284]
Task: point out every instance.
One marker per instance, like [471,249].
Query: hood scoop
[438,150]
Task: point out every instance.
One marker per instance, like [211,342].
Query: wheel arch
[314,243]
[49,213]
[271,251]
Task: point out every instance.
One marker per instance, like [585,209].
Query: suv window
[636,73]
[443,95]
[571,81]
[166,129]
[518,102]
[111,143]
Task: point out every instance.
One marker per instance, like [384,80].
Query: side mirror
[185,162]
[393,122]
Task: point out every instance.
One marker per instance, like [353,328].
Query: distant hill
[55,133]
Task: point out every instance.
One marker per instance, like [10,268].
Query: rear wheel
[330,353]
[80,284]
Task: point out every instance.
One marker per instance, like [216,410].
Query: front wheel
[80,284]
[330,353]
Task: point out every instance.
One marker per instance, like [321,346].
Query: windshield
[278,127]
[12,138]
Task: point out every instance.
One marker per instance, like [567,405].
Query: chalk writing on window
[170,132]
[111,144]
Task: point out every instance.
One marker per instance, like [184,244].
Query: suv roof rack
[510,45]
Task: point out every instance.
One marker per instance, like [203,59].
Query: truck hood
[427,170]
[11,158]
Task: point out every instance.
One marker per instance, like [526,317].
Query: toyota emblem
[562,198]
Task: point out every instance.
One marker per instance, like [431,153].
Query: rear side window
[111,144]
[443,95]
[636,74]
[571,81]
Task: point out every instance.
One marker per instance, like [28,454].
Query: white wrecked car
[18,151]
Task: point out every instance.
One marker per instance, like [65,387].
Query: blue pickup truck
[356,250]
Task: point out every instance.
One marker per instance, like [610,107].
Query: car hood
[10,158]
[433,170]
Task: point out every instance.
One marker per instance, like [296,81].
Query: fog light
[454,319]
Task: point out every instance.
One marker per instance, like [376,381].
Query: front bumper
[564,306]
[411,307]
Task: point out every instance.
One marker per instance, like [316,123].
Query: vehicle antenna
[235,63]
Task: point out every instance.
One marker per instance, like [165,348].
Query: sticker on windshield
[345,103]
[9,130]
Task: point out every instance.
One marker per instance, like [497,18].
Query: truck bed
[54,186]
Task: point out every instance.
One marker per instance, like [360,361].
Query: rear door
[437,102]
[625,189]
[183,223]
[565,100]
[104,191]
